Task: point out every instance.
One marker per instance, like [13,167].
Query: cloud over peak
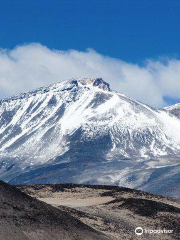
[29,66]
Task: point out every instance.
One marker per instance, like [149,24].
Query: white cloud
[27,67]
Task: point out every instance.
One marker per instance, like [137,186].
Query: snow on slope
[81,131]
[174,110]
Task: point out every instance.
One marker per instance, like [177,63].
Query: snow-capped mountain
[81,131]
[174,109]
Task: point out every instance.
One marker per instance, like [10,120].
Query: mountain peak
[61,86]
[79,131]
[97,82]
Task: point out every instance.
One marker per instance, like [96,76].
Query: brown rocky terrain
[25,218]
[113,211]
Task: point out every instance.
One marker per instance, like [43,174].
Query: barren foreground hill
[84,212]
[25,218]
[112,210]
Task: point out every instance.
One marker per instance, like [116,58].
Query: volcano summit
[81,131]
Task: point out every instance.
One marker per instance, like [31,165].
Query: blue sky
[135,44]
[132,30]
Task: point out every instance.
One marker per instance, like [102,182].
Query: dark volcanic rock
[145,207]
